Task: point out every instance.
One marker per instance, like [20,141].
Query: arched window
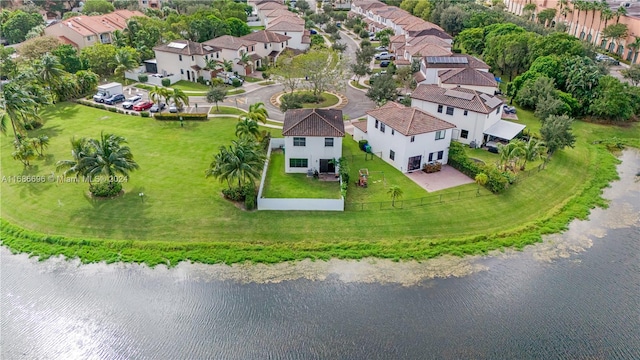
[620,49]
[589,38]
[582,35]
[611,46]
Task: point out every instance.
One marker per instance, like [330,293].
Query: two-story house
[187,58]
[82,31]
[312,139]
[269,45]
[481,81]
[477,116]
[293,27]
[405,137]
[431,65]
[233,49]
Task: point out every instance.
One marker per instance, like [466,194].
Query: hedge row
[105,107]
[185,117]
[497,181]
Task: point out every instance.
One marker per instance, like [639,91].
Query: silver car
[128,104]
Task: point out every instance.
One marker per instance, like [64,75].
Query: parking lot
[196,104]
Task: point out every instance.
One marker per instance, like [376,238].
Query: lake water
[576,295]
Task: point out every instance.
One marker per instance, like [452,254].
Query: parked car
[508,109]
[385,63]
[385,56]
[381,48]
[157,107]
[142,105]
[174,109]
[607,59]
[312,32]
[131,101]
[114,99]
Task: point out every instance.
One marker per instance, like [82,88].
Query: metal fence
[435,199]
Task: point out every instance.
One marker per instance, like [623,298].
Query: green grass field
[183,215]
[227,110]
[190,86]
[329,100]
[279,184]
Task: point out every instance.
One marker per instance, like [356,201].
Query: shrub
[166,82]
[105,189]
[290,101]
[143,78]
[236,83]
[362,143]
[176,117]
[112,109]
[144,114]
[249,197]
[432,167]
[364,34]
[497,180]
[201,80]
[265,75]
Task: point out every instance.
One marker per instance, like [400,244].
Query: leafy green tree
[383,89]
[70,14]
[17,106]
[8,66]
[582,76]
[17,25]
[126,59]
[546,16]
[384,36]
[216,94]
[481,179]
[360,69]
[532,149]
[247,128]
[65,87]
[557,133]
[550,105]
[395,192]
[534,91]
[632,73]
[100,57]
[24,151]
[237,27]
[302,5]
[510,54]
[612,101]
[615,32]
[87,82]
[317,40]
[423,9]
[472,40]
[324,69]
[33,49]
[559,44]
[452,20]
[69,58]
[97,6]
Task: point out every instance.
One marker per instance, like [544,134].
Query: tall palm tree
[596,6]
[578,5]
[227,65]
[532,149]
[241,162]
[247,128]
[17,106]
[634,47]
[620,11]
[605,16]
[395,192]
[124,61]
[110,158]
[258,112]
[49,71]
[158,93]
[179,98]
[587,6]
[80,151]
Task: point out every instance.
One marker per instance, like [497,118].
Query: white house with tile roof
[293,27]
[269,44]
[232,48]
[312,138]
[187,58]
[431,65]
[405,137]
[476,115]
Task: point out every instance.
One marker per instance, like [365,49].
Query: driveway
[446,178]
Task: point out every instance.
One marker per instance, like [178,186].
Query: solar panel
[207,47]
[458,94]
[176,45]
[491,101]
[447,60]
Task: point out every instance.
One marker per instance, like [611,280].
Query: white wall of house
[474,123]
[296,39]
[491,90]
[313,151]
[382,143]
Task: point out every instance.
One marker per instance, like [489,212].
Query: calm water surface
[576,295]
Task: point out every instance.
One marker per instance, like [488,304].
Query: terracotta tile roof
[419,77]
[429,39]
[274,13]
[397,39]
[459,97]
[186,47]
[406,20]
[402,61]
[286,23]
[99,24]
[467,76]
[391,12]
[66,40]
[408,120]
[435,32]
[313,122]
[270,5]
[362,125]
[372,5]
[229,42]
[427,50]
[266,36]
[424,25]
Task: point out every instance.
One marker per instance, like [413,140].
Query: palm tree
[17,106]
[634,47]
[40,143]
[481,179]
[605,16]
[213,64]
[124,61]
[531,150]
[258,112]
[157,93]
[109,158]
[578,5]
[227,65]
[241,162]
[395,192]
[179,98]
[80,150]
[529,10]
[509,153]
[49,71]
[24,151]
[621,11]
[245,59]
[248,128]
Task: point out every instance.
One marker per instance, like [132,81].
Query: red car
[143,105]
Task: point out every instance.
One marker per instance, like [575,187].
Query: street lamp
[181,123]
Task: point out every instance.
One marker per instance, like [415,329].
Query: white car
[128,104]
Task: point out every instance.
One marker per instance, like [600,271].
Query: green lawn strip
[190,86]
[259,27]
[265,83]
[226,110]
[329,100]
[183,216]
[143,86]
[235,92]
[252,79]
[279,184]
[357,85]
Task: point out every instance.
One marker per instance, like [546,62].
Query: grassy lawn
[357,85]
[279,184]
[265,83]
[329,100]
[256,27]
[226,110]
[235,92]
[183,216]
[190,86]
[252,79]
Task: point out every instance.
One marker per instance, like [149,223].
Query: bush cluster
[105,189]
[166,82]
[185,117]
[144,114]
[246,193]
[497,182]
[143,78]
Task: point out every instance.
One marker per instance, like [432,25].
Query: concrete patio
[446,178]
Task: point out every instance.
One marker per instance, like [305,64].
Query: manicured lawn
[183,215]
[226,110]
[329,100]
[265,83]
[252,79]
[235,92]
[256,27]
[357,85]
[190,86]
[279,184]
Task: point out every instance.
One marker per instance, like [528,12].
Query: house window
[464,134]
[217,55]
[299,141]
[285,33]
[180,57]
[252,48]
[381,127]
[431,157]
[376,124]
[498,110]
[298,163]
[193,58]
[393,132]
[465,113]
[328,142]
[89,38]
[181,71]
[265,46]
[449,110]
[440,134]
[413,138]
[392,155]
[440,155]
[440,109]
[206,57]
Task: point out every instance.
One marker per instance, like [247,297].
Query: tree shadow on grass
[63,110]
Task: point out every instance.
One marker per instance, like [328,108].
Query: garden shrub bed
[185,117]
